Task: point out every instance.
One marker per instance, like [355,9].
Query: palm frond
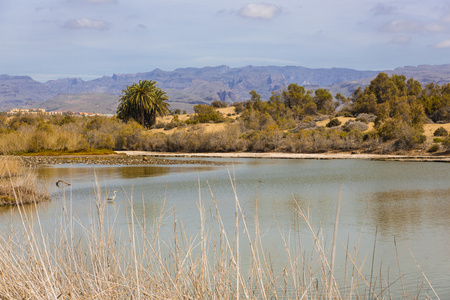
[142,102]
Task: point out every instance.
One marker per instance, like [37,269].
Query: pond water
[382,201]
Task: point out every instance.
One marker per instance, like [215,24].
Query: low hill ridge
[188,86]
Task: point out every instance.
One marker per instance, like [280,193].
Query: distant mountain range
[189,86]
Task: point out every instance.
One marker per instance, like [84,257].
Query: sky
[49,39]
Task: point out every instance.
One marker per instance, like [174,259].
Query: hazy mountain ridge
[187,86]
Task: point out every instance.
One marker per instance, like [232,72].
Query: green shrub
[441,131]
[238,108]
[205,113]
[334,122]
[219,104]
[95,123]
[175,119]
[446,143]
[433,148]
[362,119]
[158,125]
[355,125]
[437,140]
[421,139]
[191,121]
[171,125]
[310,109]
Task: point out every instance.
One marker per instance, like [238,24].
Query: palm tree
[142,102]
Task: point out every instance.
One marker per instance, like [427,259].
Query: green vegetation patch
[433,148]
[441,131]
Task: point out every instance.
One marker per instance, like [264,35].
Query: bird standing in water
[111,199]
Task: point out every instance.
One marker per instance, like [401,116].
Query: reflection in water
[133,172]
[409,201]
[80,172]
[409,210]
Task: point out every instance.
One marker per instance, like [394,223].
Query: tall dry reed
[93,261]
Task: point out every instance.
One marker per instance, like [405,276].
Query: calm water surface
[406,201]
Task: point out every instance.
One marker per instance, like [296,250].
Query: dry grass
[93,262]
[10,167]
[18,184]
[227,112]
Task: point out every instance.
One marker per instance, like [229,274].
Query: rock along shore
[114,159]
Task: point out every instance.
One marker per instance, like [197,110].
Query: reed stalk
[93,261]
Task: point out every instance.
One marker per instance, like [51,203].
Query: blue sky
[50,39]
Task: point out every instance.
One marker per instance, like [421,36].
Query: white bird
[112,197]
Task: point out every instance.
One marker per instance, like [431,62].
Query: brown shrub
[18,184]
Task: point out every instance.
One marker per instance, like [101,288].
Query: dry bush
[10,167]
[269,139]
[333,123]
[344,141]
[18,184]
[14,142]
[363,117]
[312,141]
[198,140]
[320,140]
[227,140]
[355,125]
[441,131]
[69,137]
[153,141]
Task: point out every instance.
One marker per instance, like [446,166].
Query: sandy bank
[293,156]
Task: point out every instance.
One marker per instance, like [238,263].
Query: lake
[380,201]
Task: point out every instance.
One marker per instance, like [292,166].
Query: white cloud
[259,11]
[442,45]
[86,23]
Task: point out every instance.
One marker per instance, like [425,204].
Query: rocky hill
[188,86]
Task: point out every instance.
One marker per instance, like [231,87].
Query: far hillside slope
[189,86]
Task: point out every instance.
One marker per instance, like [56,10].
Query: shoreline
[281,155]
[111,159]
[129,158]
